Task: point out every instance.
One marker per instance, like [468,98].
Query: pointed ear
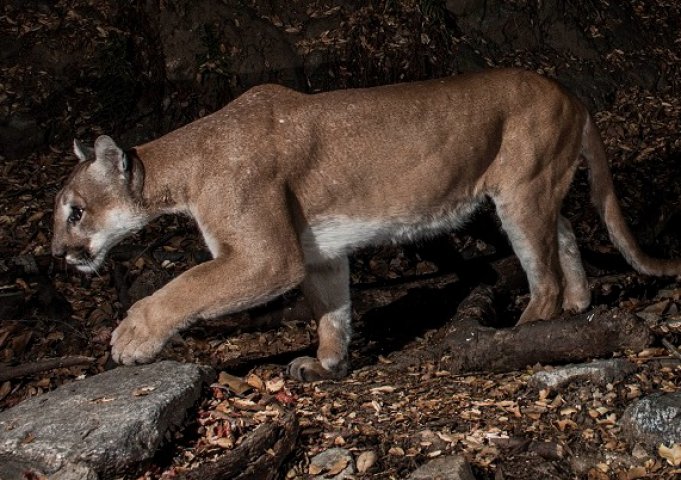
[108,152]
[83,152]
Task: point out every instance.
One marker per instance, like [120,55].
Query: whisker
[92,264]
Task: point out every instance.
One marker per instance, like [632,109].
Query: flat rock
[334,464]
[449,467]
[100,426]
[598,372]
[653,420]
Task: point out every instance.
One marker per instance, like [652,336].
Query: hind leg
[532,230]
[327,289]
[576,294]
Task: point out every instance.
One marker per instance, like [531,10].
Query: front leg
[218,287]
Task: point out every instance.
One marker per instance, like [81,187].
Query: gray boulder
[100,426]
[653,420]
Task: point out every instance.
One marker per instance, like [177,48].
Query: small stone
[599,372]
[639,452]
[334,464]
[450,467]
[653,420]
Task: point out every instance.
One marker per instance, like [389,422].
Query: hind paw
[309,369]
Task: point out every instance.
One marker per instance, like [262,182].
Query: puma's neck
[163,190]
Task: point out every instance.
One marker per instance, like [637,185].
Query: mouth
[85,263]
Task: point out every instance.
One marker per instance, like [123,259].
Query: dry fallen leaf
[596,474]
[383,389]
[223,442]
[338,466]
[274,385]
[235,384]
[384,360]
[284,397]
[5,388]
[568,411]
[256,382]
[103,399]
[635,472]
[366,460]
[20,342]
[672,455]
[397,451]
[243,403]
[142,391]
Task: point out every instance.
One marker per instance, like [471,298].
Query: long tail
[603,197]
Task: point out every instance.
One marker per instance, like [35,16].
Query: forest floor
[404,418]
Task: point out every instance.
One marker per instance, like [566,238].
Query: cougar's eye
[75,215]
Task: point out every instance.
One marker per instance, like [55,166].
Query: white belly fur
[337,236]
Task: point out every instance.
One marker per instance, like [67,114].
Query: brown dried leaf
[397,451]
[28,438]
[235,384]
[223,442]
[5,388]
[315,469]
[273,385]
[672,455]
[142,391]
[256,382]
[20,342]
[366,460]
[383,389]
[338,466]
[635,472]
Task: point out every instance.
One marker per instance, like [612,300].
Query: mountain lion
[283,186]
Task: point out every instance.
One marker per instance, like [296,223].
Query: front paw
[308,369]
[138,338]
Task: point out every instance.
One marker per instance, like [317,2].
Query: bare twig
[10,372]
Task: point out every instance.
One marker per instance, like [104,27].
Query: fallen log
[465,345]
[258,457]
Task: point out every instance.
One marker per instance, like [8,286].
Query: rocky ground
[87,67]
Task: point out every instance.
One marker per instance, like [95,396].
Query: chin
[86,268]
[89,266]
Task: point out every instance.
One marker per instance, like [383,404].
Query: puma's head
[99,205]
